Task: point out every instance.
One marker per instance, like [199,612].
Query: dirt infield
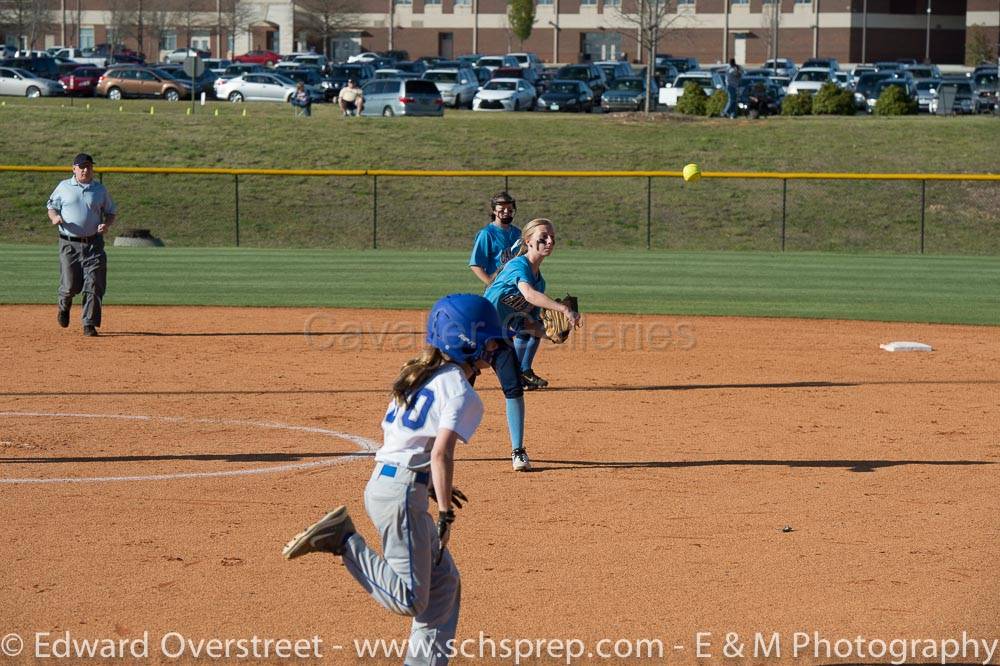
[670,453]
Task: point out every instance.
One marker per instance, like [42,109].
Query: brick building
[564,31]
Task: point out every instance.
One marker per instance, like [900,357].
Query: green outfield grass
[869,287]
[442,213]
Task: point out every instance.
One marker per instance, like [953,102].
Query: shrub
[832,100]
[692,102]
[799,104]
[715,104]
[895,102]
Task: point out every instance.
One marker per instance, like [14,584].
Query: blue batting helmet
[460,325]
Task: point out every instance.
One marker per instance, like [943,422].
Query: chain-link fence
[933,213]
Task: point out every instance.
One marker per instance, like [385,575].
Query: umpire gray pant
[83,268]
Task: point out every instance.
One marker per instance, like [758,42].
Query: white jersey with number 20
[446,401]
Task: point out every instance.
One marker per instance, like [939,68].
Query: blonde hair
[529,230]
[415,374]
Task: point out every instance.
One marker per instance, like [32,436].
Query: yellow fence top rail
[404,173]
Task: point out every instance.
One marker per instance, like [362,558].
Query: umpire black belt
[80,239]
[390,471]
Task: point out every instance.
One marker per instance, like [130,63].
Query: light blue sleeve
[110,207]
[480,252]
[55,200]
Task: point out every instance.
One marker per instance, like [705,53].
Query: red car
[81,81]
[259,58]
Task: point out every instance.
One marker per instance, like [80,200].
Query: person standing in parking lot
[83,210]
[351,98]
[734,74]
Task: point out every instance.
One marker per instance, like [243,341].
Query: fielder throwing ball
[518,292]
[433,406]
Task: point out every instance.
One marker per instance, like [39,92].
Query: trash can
[946,99]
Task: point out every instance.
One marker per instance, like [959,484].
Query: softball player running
[518,292]
[433,406]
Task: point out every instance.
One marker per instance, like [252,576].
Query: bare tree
[28,18]
[188,15]
[651,19]
[158,24]
[326,19]
[121,21]
[235,17]
[770,21]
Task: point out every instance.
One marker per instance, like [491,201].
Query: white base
[905,346]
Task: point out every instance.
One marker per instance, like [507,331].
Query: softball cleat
[519,459]
[327,535]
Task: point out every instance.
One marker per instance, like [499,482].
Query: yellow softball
[692,173]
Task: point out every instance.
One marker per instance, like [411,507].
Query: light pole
[927,45]
[864,31]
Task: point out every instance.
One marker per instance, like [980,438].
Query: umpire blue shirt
[82,207]
[494,247]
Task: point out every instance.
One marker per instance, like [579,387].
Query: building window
[588,3]
[685,3]
[463,3]
[168,40]
[403,2]
[613,3]
[432,2]
[544,3]
[803,2]
[86,38]
[201,41]
[740,2]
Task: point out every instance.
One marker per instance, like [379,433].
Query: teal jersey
[507,298]
[494,247]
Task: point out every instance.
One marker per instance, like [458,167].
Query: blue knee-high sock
[515,422]
[529,353]
[521,343]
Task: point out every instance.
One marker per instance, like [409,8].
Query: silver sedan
[505,95]
[21,82]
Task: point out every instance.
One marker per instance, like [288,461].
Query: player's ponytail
[415,373]
[529,230]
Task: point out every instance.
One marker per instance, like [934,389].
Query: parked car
[924,71]
[119,54]
[984,81]
[312,78]
[825,63]
[119,82]
[393,73]
[264,87]
[493,62]
[926,89]
[458,86]
[359,72]
[780,66]
[316,60]
[566,95]
[82,56]
[590,74]
[259,57]
[663,75]
[415,67]
[21,82]
[628,93]
[217,65]
[180,55]
[45,68]
[966,100]
[402,97]
[505,95]
[528,75]
[680,64]
[366,56]
[482,74]
[865,85]
[811,79]
[614,69]
[887,66]
[467,59]
[907,86]
[530,61]
[709,82]
[82,80]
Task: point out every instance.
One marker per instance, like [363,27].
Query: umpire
[83,211]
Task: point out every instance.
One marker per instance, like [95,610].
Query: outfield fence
[382,208]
